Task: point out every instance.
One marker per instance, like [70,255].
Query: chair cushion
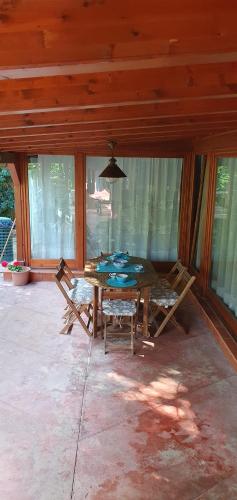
[119,307]
[163,295]
[82,293]
[80,282]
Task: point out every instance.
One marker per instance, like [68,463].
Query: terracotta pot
[21,278]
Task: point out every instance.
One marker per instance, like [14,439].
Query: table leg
[95,311]
[146,296]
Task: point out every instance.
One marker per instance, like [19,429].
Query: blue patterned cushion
[79,282]
[119,307]
[163,295]
[82,293]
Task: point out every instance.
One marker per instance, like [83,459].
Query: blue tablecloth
[110,268]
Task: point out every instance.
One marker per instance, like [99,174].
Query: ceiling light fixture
[112,172]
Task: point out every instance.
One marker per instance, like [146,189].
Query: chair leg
[132,336]
[105,334]
[66,330]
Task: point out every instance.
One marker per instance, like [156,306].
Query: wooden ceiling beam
[117,89]
[103,31]
[93,129]
[163,61]
[107,135]
[190,110]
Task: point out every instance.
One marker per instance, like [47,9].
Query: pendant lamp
[112,172]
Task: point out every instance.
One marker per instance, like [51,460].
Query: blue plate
[113,282]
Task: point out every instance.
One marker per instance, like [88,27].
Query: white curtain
[139,213]
[52,206]
[224,244]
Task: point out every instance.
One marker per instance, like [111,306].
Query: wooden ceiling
[146,73]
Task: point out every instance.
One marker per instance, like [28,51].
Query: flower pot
[22,277]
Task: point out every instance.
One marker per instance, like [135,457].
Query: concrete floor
[75,424]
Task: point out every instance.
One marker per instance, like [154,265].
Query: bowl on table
[119,255]
[138,268]
[122,277]
[119,263]
[103,263]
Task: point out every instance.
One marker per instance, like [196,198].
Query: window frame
[159,265]
[186,192]
[204,273]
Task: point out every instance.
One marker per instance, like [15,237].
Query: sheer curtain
[224,245]
[52,206]
[139,213]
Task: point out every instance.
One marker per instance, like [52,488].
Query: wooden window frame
[186,193]
[23,222]
[204,273]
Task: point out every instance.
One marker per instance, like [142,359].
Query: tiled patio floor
[75,424]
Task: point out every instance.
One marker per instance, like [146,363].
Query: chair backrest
[175,274]
[184,284]
[67,271]
[111,294]
[60,277]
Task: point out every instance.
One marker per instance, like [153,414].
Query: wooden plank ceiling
[146,73]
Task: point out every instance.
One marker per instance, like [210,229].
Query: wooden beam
[121,135]
[94,129]
[185,214]
[118,89]
[224,141]
[190,110]
[140,148]
[163,61]
[16,178]
[31,34]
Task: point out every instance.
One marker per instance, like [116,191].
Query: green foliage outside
[6,194]
[223,177]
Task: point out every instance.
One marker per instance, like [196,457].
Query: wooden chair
[174,276]
[79,301]
[73,280]
[166,299]
[118,305]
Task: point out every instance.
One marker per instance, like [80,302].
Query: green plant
[6,194]
[15,266]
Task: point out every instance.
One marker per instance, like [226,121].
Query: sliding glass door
[139,213]
[224,238]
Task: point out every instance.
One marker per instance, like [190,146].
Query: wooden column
[80,210]
[186,205]
[19,175]
[15,175]
[205,266]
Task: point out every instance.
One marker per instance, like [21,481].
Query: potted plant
[20,274]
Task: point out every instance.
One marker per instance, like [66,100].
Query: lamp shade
[112,171]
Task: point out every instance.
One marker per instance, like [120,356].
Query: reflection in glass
[224,238]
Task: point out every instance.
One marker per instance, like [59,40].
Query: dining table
[100,277]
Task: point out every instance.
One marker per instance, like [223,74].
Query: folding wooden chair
[79,301]
[118,305]
[174,276]
[73,280]
[166,299]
